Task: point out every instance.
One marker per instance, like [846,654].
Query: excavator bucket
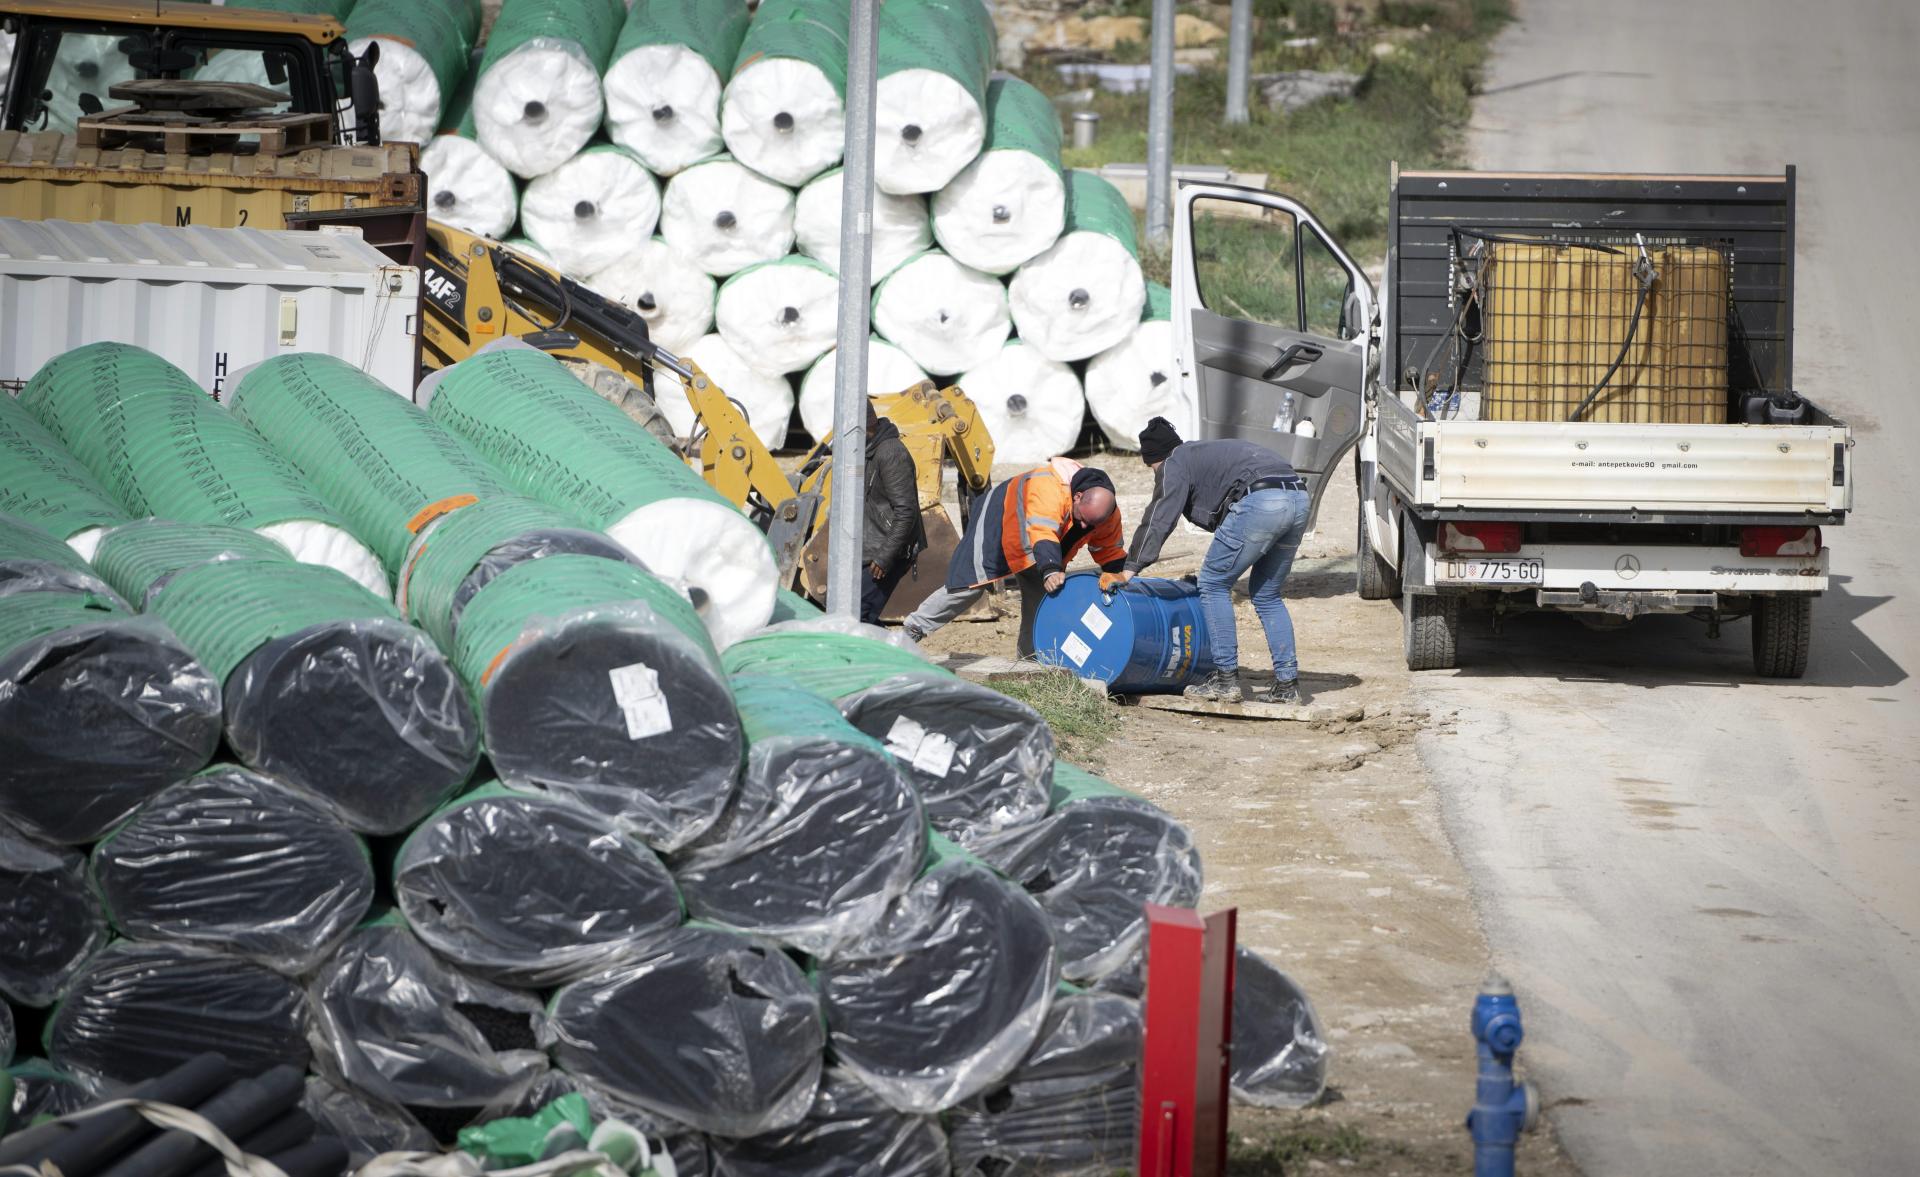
[928,572]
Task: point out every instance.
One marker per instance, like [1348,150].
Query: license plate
[1498,571]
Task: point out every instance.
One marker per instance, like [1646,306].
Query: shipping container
[212,301]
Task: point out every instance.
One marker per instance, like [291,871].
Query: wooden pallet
[176,133]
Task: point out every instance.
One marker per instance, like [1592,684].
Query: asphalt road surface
[1705,886]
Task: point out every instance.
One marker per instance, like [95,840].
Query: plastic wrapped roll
[99,710]
[945,996]
[35,561]
[164,448]
[946,317]
[42,483]
[597,683]
[136,1011]
[48,917]
[847,1130]
[530,249]
[1279,1051]
[384,464]
[663,85]
[424,48]
[888,370]
[234,861]
[724,217]
[784,112]
[1032,406]
[88,65]
[366,1126]
[41,1089]
[1100,856]
[1084,294]
[323,685]
[8,1040]
[782,313]
[1134,381]
[900,225]
[563,444]
[536,97]
[1009,205]
[468,188]
[741,1054]
[1072,1106]
[590,207]
[821,835]
[767,399]
[461,553]
[394,1023]
[528,890]
[931,99]
[980,761]
[672,294]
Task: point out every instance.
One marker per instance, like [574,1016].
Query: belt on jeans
[1277,482]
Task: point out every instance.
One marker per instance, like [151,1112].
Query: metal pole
[1239,48]
[850,371]
[1160,130]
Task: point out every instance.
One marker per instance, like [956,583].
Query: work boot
[915,632]
[1220,686]
[1279,692]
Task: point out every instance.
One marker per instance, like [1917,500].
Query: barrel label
[1075,649]
[636,689]
[1097,623]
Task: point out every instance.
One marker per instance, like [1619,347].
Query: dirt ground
[1327,839]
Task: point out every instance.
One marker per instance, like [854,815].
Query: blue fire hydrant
[1502,1109]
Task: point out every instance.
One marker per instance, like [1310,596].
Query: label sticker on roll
[1075,649]
[1097,623]
[636,688]
[928,752]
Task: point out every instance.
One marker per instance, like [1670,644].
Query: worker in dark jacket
[892,533]
[1256,506]
[1028,529]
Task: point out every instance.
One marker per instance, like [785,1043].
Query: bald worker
[1029,528]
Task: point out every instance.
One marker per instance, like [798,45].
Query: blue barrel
[1149,638]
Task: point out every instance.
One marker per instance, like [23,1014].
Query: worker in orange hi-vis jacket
[1029,528]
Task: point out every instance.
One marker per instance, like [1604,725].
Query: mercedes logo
[1627,566]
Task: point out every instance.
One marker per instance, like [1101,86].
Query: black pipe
[323,1156]
[242,1107]
[290,1131]
[75,1147]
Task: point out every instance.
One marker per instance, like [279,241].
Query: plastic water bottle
[1283,420]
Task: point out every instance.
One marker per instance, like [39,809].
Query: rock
[1385,49]
[1191,32]
[1294,89]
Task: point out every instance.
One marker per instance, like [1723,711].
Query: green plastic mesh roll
[784,111]
[538,100]
[562,443]
[44,484]
[460,553]
[791,606]
[1134,381]
[1094,205]
[424,45]
[1011,203]
[1084,294]
[325,686]
[165,449]
[931,99]
[663,82]
[32,560]
[99,710]
[382,463]
[597,682]
[980,761]
[471,190]
[1159,303]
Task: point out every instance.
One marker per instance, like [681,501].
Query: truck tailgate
[1612,467]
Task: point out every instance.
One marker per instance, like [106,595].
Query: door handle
[1298,351]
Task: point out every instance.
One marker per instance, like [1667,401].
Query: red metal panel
[1184,1071]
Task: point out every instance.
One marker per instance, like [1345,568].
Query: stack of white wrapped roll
[1032,406]
[537,97]
[424,49]
[889,370]
[663,87]
[591,208]
[1134,381]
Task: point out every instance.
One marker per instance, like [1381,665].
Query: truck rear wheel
[1429,622]
[1782,635]
[1372,579]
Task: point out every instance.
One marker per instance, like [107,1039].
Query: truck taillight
[1480,537]
[1779,541]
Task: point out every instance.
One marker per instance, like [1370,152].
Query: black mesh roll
[847,1130]
[49,921]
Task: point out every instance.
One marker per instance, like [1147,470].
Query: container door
[1273,326]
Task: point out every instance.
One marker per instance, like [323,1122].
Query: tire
[1372,579]
[1782,635]
[1429,622]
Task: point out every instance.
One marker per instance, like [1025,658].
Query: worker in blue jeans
[1255,505]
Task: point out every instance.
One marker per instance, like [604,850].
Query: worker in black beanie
[1256,506]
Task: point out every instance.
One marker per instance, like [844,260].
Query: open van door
[1273,327]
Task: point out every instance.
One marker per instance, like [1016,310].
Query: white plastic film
[947,317]
[900,225]
[536,107]
[470,189]
[591,208]
[410,95]
[782,316]
[927,127]
[1134,381]
[1032,406]
[712,547]
[672,294]
[1004,209]
[783,118]
[767,398]
[888,370]
[725,217]
[1079,298]
[663,104]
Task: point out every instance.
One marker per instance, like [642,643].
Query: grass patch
[1411,106]
[1288,1152]
[1081,718]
